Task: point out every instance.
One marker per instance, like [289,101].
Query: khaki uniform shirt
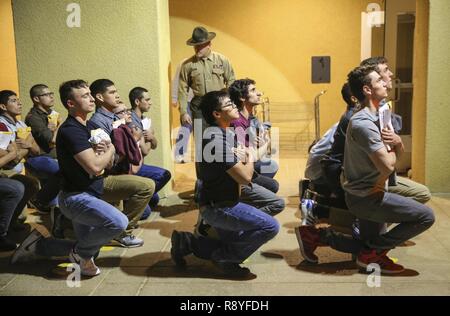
[203,75]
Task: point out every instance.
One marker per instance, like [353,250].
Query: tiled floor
[277,266]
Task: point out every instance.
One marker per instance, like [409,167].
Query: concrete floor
[277,266]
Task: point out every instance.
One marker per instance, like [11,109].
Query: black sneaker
[6,244]
[39,207]
[180,248]
[57,223]
[232,269]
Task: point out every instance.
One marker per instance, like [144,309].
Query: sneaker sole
[302,250]
[362,265]
[116,243]
[32,238]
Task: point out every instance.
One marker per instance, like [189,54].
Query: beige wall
[8,64]
[437,148]
[126,41]
[273,41]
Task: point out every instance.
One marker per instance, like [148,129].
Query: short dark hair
[36,90]
[100,86]
[66,89]
[212,102]
[347,94]
[358,78]
[4,96]
[374,61]
[239,89]
[136,93]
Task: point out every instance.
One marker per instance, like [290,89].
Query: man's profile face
[378,87]
[13,106]
[82,100]
[202,50]
[253,95]
[46,98]
[111,97]
[386,74]
[145,102]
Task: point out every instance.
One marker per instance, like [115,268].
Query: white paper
[117,123]
[385,117]
[146,123]
[5,139]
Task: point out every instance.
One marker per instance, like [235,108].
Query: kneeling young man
[241,228]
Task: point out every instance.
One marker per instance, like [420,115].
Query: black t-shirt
[73,138]
[217,158]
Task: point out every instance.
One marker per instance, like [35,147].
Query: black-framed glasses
[228,105]
[49,94]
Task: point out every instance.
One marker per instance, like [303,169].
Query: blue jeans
[46,169]
[95,221]
[11,192]
[159,175]
[262,198]
[184,134]
[242,229]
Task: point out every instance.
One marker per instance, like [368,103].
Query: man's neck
[81,117]
[40,107]
[138,112]
[10,117]
[373,105]
[247,110]
[105,107]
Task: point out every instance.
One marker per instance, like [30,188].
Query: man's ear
[367,90]
[3,107]
[216,114]
[99,97]
[70,103]
[137,102]
[35,99]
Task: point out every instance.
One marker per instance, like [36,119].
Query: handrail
[317,113]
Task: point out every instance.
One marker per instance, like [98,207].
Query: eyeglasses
[123,112]
[49,94]
[228,105]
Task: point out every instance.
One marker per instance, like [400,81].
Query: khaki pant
[411,189]
[135,191]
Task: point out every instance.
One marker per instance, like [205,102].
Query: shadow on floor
[161,266]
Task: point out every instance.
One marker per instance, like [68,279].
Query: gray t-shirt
[361,177]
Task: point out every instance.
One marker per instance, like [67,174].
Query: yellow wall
[419,115]
[126,41]
[8,64]
[437,159]
[273,41]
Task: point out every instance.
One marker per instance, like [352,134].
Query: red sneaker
[308,240]
[387,266]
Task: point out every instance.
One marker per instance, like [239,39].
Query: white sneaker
[27,249]
[308,217]
[87,266]
[180,159]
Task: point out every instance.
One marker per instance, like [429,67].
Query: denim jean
[242,229]
[31,186]
[159,175]
[184,134]
[133,190]
[267,182]
[11,192]
[46,169]
[412,217]
[95,222]
[261,198]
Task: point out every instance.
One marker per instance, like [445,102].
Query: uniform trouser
[135,191]
[409,188]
